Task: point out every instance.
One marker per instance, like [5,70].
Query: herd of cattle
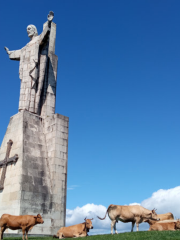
[138,214]
[135,214]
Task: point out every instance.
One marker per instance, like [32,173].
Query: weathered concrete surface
[49,88]
[37,182]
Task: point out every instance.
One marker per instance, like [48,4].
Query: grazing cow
[24,222]
[134,213]
[163,225]
[78,230]
[162,217]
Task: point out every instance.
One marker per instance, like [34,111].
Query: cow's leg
[61,236]
[82,234]
[115,228]
[2,231]
[132,226]
[112,225]
[27,234]
[23,231]
[77,235]
[138,220]
[137,226]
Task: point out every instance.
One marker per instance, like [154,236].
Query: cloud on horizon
[72,187]
[163,200]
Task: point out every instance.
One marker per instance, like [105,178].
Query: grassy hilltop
[154,235]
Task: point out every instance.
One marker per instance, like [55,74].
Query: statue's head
[32,31]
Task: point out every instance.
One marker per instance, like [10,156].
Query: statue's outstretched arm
[50,18]
[13,55]
[47,29]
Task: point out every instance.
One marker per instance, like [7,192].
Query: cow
[24,222]
[163,225]
[78,230]
[134,213]
[163,217]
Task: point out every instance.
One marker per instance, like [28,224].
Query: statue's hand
[50,16]
[7,50]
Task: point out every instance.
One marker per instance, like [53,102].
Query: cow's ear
[38,215]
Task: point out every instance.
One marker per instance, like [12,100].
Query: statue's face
[30,31]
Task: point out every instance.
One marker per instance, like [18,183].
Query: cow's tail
[106,212]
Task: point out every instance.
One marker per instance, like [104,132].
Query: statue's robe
[31,72]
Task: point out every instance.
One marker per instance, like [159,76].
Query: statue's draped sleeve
[44,34]
[15,55]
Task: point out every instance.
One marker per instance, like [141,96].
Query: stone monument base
[37,182]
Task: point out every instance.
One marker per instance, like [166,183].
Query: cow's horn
[91,219]
[85,219]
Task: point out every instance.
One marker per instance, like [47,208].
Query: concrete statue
[34,151]
[33,65]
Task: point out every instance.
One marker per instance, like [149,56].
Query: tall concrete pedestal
[37,182]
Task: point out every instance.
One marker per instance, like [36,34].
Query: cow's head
[88,223]
[177,225]
[152,215]
[38,219]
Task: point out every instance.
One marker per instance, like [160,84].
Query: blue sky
[119,84]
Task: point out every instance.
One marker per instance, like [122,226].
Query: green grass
[154,235]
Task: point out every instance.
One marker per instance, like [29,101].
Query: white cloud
[163,200]
[134,204]
[72,187]
[92,211]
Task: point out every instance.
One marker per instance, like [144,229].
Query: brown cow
[134,213]
[163,226]
[24,222]
[163,217]
[78,230]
